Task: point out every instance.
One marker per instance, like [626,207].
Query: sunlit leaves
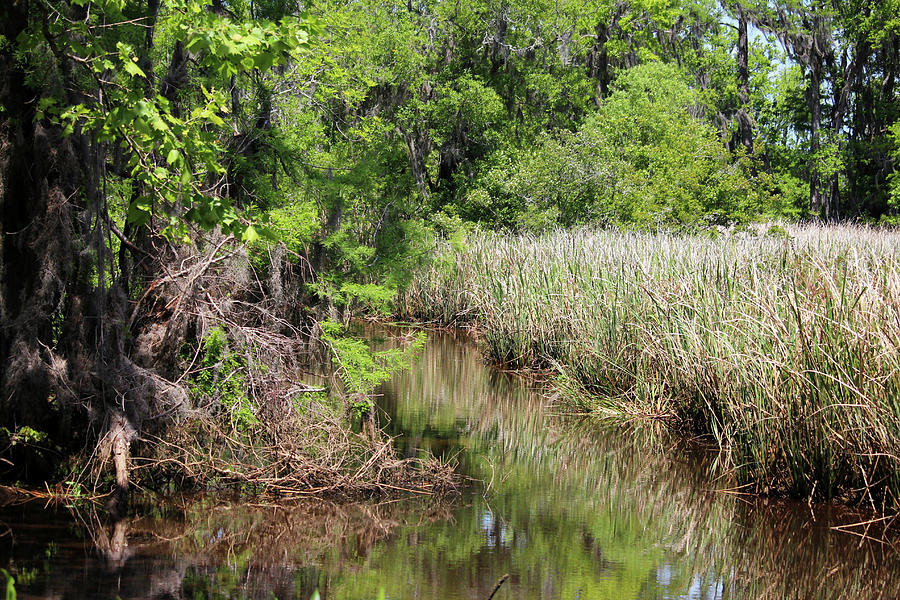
[894,178]
[229,47]
[641,160]
[171,155]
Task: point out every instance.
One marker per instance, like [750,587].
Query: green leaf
[197,44]
[173,156]
[138,213]
[250,234]
[157,123]
[142,108]
[132,68]
[10,585]
[266,233]
[264,60]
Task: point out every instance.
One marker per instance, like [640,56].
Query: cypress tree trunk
[598,62]
[40,185]
[63,369]
[815,124]
[743,53]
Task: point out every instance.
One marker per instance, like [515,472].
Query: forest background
[185,186]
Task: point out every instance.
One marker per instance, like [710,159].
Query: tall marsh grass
[784,348]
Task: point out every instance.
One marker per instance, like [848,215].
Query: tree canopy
[347,134]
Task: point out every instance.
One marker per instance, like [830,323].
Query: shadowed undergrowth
[209,392]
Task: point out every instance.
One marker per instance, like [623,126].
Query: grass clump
[782,347]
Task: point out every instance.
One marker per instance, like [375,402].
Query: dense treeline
[142,143]
[533,114]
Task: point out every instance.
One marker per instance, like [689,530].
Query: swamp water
[568,508]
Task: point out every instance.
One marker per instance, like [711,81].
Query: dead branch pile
[245,416]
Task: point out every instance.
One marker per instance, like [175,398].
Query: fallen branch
[497,587]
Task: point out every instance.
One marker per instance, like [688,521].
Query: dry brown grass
[783,347]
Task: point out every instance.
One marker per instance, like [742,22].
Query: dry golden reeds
[782,346]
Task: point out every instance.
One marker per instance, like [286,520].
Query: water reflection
[576,509]
[199,548]
[568,508]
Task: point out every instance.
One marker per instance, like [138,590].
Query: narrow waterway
[567,507]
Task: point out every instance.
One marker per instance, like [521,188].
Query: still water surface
[569,508]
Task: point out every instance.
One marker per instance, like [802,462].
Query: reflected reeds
[624,511]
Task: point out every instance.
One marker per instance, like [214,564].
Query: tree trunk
[745,126]
[815,124]
[598,62]
[63,370]
[38,176]
[418,146]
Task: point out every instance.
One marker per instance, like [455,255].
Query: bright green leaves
[209,211]
[250,235]
[894,177]
[229,47]
[108,7]
[47,106]
[132,69]
[140,210]
[174,157]
[642,160]
[360,368]
[467,101]
[221,381]
[172,154]
[168,157]
[127,59]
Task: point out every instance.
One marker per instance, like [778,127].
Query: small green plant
[222,377]
[360,368]
[75,490]
[10,584]
[74,493]
[360,407]
[778,232]
[24,435]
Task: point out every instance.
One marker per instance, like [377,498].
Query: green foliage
[294,224]
[643,160]
[220,377]
[466,102]
[778,232]
[10,584]
[360,367]
[360,125]
[170,153]
[370,297]
[894,177]
[24,435]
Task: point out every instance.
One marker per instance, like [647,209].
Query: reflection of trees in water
[572,507]
[580,504]
[73,556]
[203,548]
